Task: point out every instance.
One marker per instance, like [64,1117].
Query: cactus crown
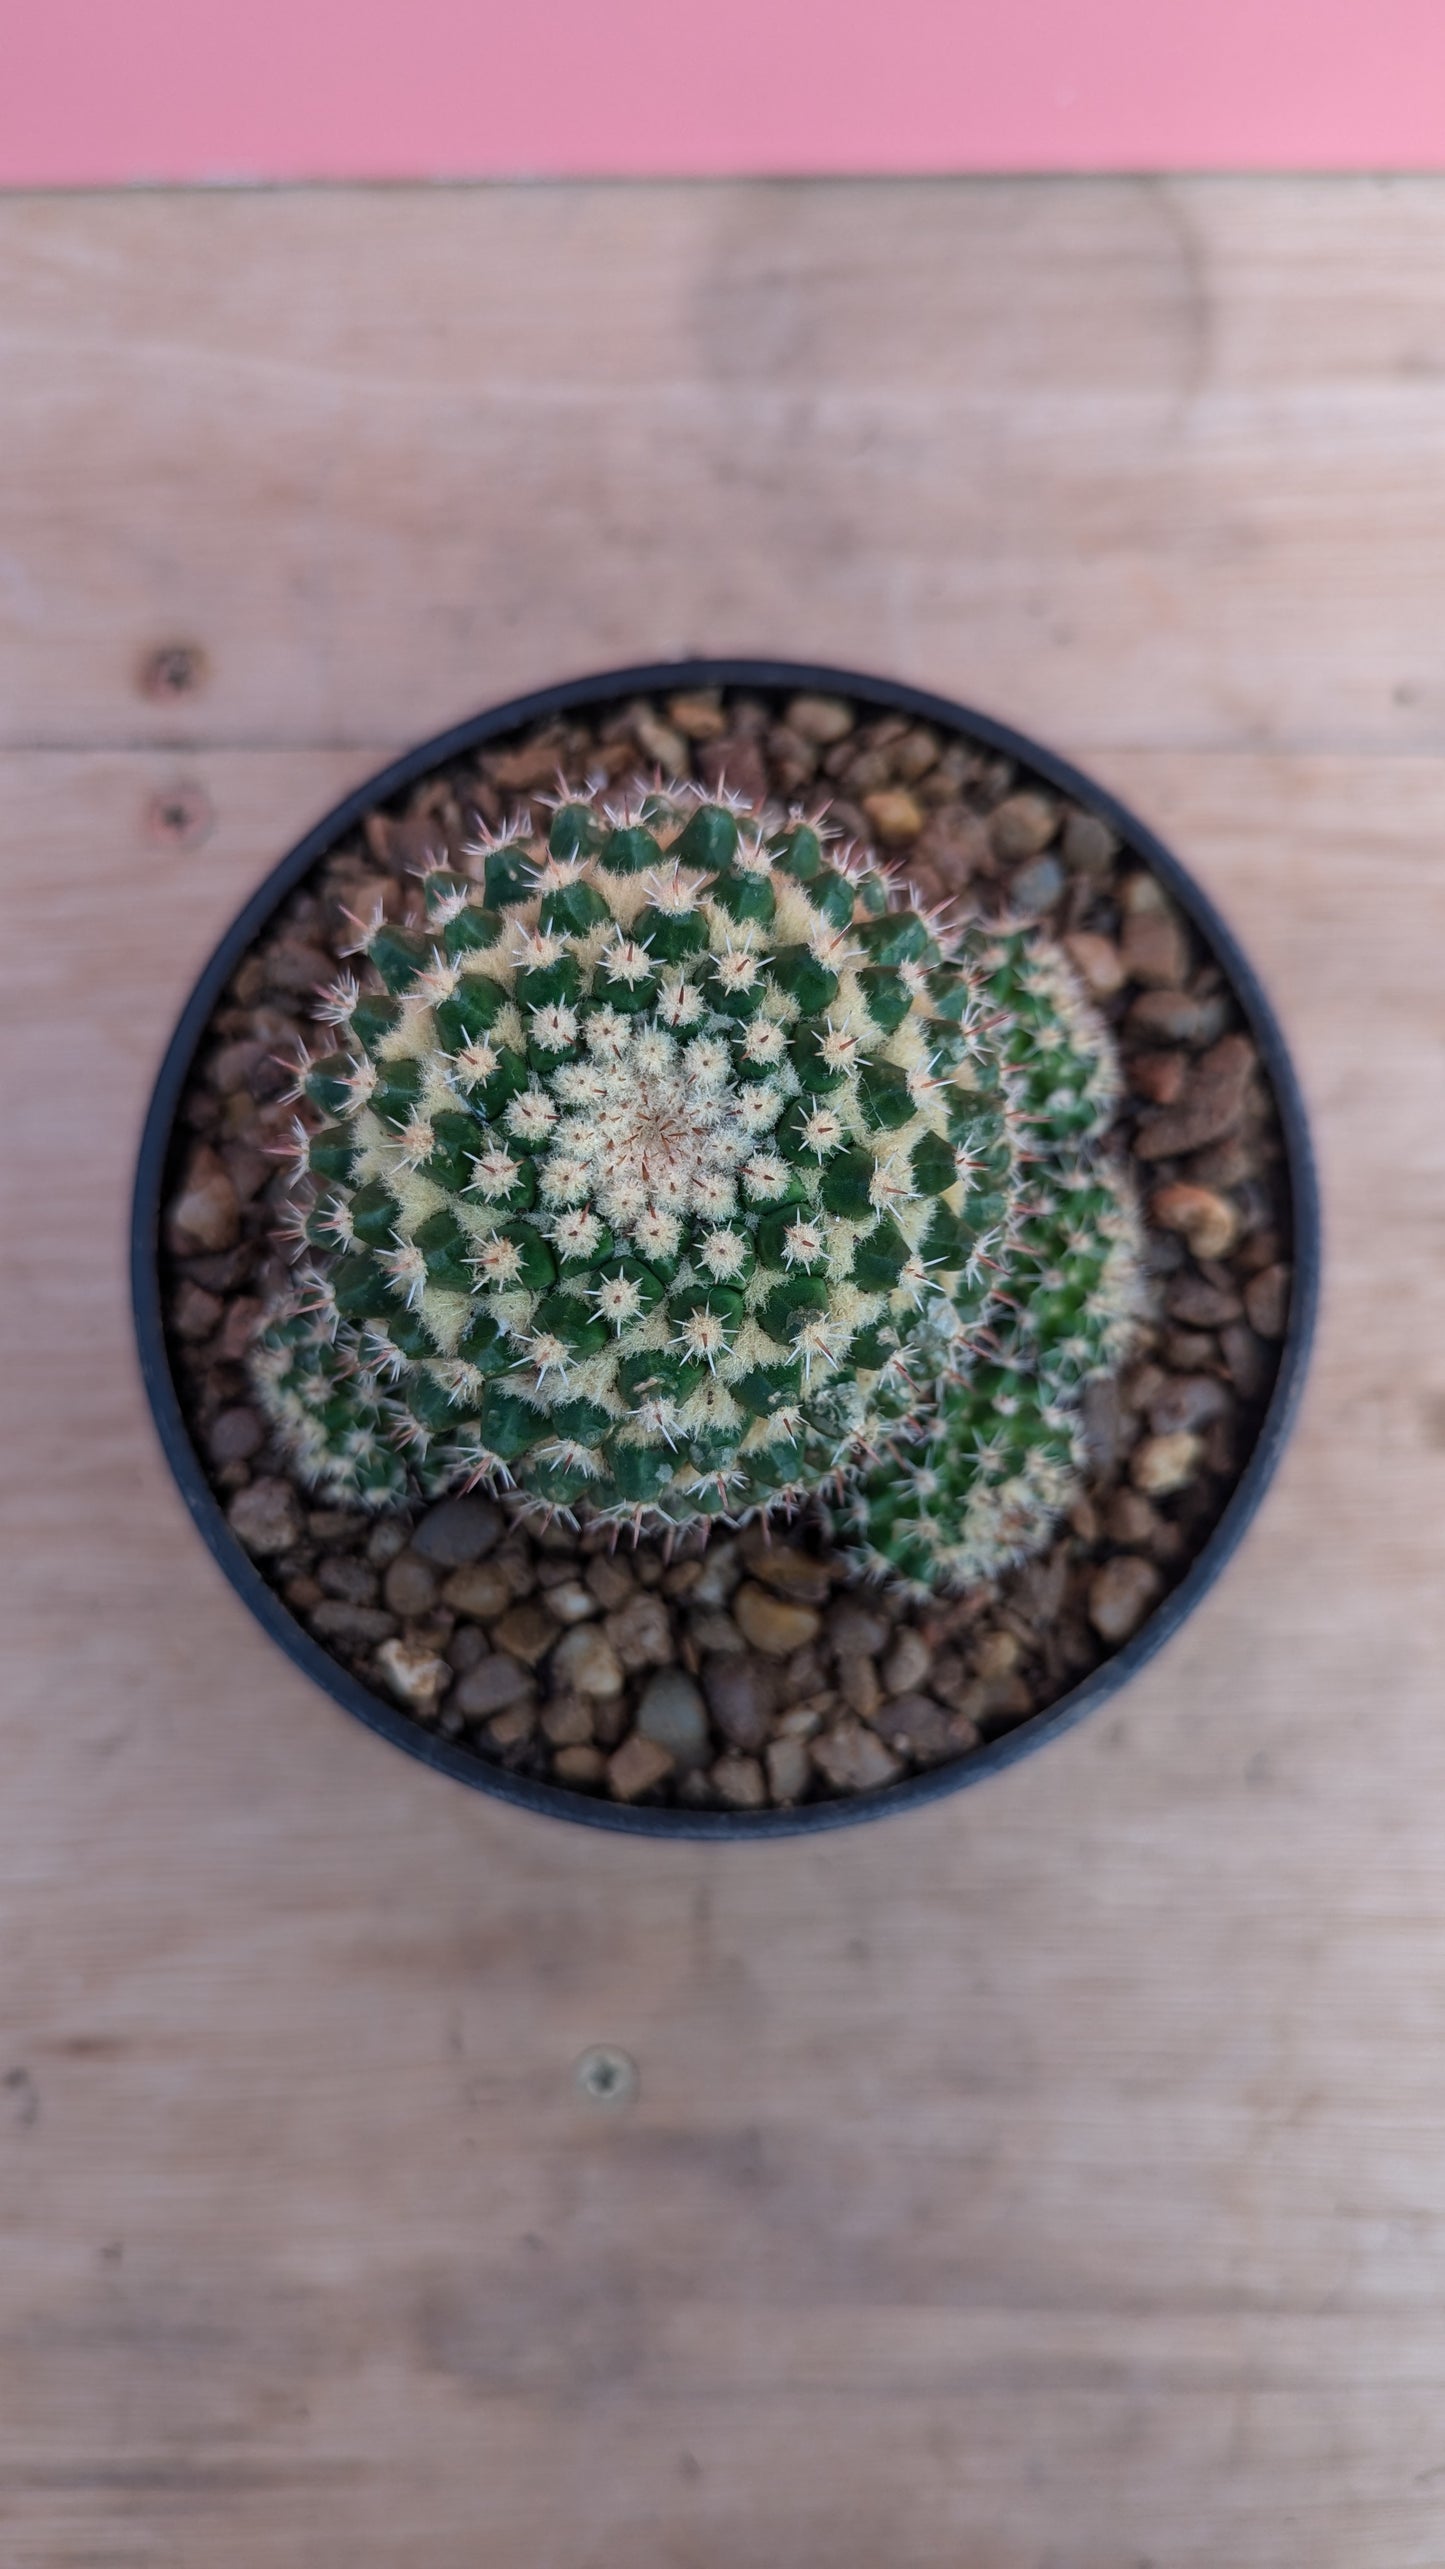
[664,1170]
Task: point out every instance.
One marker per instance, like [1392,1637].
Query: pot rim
[671,1821]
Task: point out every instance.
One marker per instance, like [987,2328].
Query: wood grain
[1052,2180]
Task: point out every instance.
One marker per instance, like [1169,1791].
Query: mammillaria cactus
[669,1169]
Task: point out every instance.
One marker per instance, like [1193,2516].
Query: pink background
[100,91]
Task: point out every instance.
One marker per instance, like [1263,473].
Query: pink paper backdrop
[99,91]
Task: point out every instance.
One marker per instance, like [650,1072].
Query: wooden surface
[1053,2180]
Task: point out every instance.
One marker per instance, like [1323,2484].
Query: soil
[742,1671]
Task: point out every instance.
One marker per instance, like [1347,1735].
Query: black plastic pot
[448,1756]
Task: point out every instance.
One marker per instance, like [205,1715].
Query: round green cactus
[649,1163]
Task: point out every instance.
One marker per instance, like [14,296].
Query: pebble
[1187,1400]
[479,1590]
[1163,1464]
[673,1713]
[997,1654]
[741,1695]
[739,1783]
[568,1721]
[1036,887]
[585,1658]
[641,1633]
[916,1726]
[1090,846]
[340,1574]
[637,1767]
[1174,1017]
[1266,1301]
[715,1632]
[389,1535]
[1244,1355]
[1159,1077]
[1023,825]
[908,1661]
[195,1313]
[410,1585]
[526,1631]
[1202,1305]
[234,1435]
[204,1213]
[1133,1521]
[853,1759]
[859,1686]
[491,1686]
[416,1676]
[955,845]
[821,719]
[336,1620]
[1098,963]
[790,1573]
[610,1581]
[1208,1222]
[1121,1593]
[467,1645]
[894,816]
[1210,1105]
[266,1517]
[857,1631]
[771,1623]
[459,1531]
[719,1575]
[513,1728]
[582,1769]
[570,1602]
[698,716]
[1155,950]
[788,1769]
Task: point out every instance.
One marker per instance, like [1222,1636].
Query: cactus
[979,1479]
[671,1169]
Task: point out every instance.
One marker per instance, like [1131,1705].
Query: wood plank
[1140,463]
[1051,2180]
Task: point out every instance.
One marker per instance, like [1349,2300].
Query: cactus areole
[674,1166]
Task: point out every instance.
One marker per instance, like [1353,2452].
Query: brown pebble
[234,1435]
[714,1632]
[894,816]
[1187,1400]
[857,1631]
[739,1782]
[1159,1077]
[1246,1358]
[204,1212]
[822,719]
[1162,1464]
[1155,949]
[389,1535]
[195,1312]
[568,1721]
[1266,1301]
[771,1623]
[581,1769]
[1208,1222]
[996,1654]
[526,1631]
[908,1662]
[416,1676]
[741,1695]
[493,1684]
[513,1728]
[467,1645]
[1098,963]
[859,1686]
[1187,1351]
[1210,1105]
[1203,1305]
[266,1517]
[1090,846]
[1023,826]
[610,1581]
[788,1769]
[641,1634]
[570,1602]
[788,1572]
[410,1585]
[481,1590]
[1174,1017]
[699,714]
[340,1574]
[1121,1593]
[585,1658]
[853,1759]
[637,1767]
[1132,1521]
[917,1726]
[954,846]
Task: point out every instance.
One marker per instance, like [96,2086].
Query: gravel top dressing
[704,1666]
